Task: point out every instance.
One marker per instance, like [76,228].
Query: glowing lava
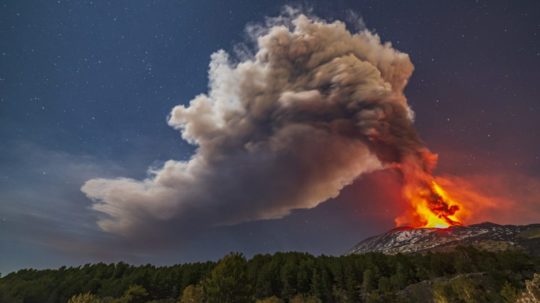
[431,206]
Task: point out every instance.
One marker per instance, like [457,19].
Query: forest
[463,275]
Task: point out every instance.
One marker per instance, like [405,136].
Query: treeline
[284,277]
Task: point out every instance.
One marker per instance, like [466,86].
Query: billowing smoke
[288,128]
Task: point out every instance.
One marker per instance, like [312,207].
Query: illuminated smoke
[314,108]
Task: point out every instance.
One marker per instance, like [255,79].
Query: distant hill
[485,236]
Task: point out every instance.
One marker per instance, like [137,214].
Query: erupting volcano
[313,108]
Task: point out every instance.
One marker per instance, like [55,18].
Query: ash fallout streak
[289,127]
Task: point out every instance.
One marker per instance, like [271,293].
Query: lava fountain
[430,206]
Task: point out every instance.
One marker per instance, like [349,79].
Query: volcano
[486,236]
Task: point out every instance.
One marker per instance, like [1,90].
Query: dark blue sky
[86,86]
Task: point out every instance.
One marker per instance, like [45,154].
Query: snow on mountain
[488,236]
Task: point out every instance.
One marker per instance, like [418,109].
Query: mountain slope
[487,236]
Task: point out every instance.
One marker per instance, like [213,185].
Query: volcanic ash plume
[284,129]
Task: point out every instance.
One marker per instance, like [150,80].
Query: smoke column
[287,128]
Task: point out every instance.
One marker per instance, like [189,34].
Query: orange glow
[431,206]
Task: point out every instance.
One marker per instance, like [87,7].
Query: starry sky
[86,87]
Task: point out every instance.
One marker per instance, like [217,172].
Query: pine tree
[368,283]
[134,294]
[192,294]
[228,281]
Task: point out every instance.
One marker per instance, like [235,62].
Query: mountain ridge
[486,235]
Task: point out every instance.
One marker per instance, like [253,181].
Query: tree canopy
[464,275]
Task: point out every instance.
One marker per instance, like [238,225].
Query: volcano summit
[485,236]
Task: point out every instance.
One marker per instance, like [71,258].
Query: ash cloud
[288,128]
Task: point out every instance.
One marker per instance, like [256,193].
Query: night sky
[86,87]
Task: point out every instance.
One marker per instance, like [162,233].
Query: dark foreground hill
[464,275]
[485,236]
